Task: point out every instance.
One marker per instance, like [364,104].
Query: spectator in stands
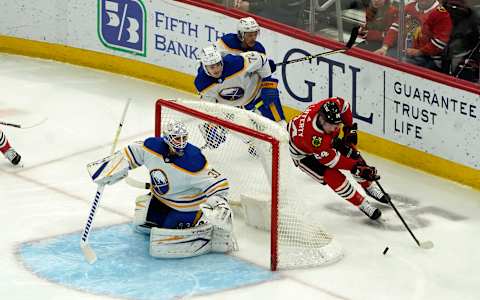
[253,6]
[461,54]
[285,11]
[428,28]
[379,16]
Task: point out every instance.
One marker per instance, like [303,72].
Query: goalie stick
[20,126]
[87,250]
[348,45]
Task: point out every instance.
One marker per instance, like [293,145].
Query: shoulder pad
[232,64]
[259,48]
[192,160]
[203,81]
[156,144]
[232,41]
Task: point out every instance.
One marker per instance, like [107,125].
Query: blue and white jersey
[180,182]
[231,44]
[240,81]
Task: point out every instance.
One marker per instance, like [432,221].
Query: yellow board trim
[98,60]
[372,144]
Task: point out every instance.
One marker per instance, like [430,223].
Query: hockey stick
[120,125]
[88,252]
[423,244]
[348,45]
[24,126]
[467,59]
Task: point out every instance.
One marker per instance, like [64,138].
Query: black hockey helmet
[330,113]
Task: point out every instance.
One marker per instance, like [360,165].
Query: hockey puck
[385,251]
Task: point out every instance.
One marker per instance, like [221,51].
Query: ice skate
[376,193]
[371,211]
[13,156]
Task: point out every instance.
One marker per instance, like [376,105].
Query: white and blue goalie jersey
[180,182]
[240,81]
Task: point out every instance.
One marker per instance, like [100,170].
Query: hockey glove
[273,67]
[350,134]
[366,172]
[345,149]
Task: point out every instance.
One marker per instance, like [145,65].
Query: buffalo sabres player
[187,212]
[238,80]
[244,40]
[241,80]
[316,149]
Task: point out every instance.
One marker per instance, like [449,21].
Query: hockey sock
[4,145]
[340,185]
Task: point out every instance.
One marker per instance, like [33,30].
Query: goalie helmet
[247,25]
[330,113]
[210,56]
[176,136]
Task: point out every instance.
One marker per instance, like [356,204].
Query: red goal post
[242,128]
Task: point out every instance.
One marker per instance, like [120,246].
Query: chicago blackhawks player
[318,151]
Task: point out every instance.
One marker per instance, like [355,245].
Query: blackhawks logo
[316,141]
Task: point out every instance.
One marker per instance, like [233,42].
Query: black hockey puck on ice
[385,251]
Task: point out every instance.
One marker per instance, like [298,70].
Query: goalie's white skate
[371,211]
[376,193]
[13,156]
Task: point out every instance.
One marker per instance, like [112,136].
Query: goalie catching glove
[109,170]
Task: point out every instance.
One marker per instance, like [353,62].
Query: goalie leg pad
[142,204]
[180,243]
[223,240]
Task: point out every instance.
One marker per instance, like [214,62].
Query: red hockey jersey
[308,139]
[430,28]
[378,21]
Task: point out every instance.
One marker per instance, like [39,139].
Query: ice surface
[51,196]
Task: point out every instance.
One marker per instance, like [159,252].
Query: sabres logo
[160,184]
[232,93]
[316,141]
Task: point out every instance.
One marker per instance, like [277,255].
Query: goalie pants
[163,216]
[335,179]
[268,103]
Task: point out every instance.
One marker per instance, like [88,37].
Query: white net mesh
[247,162]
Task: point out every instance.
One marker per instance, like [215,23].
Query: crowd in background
[447,40]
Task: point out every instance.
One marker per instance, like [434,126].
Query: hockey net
[252,152]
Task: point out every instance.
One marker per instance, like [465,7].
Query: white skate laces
[376,193]
[12,156]
[371,211]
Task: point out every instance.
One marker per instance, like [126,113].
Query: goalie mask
[176,136]
[212,62]
[247,25]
